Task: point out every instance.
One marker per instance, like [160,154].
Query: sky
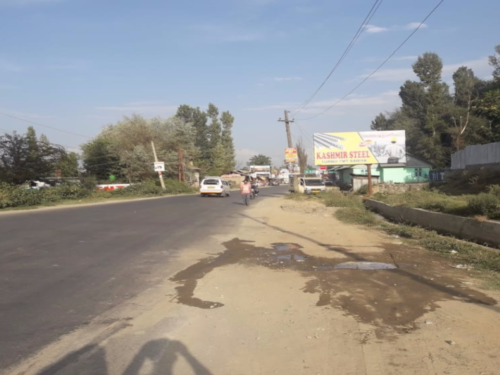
[78,65]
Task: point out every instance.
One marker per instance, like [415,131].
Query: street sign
[159,166]
[310,171]
[322,167]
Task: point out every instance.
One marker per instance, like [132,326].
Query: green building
[414,170]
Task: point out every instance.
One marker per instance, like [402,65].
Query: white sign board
[159,166]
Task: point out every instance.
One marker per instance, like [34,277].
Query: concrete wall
[478,155]
[399,188]
[404,175]
[484,232]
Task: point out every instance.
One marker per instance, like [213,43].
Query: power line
[380,66]
[55,144]
[46,126]
[354,39]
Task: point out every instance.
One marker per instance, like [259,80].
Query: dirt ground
[294,291]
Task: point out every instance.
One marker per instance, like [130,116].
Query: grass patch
[483,204]
[352,211]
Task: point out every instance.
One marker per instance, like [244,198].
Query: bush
[148,188]
[18,196]
[494,190]
[334,198]
[356,215]
[177,187]
[483,204]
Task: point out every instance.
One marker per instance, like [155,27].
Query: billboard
[291,155]
[372,147]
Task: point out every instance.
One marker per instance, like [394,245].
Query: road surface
[60,268]
[191,285]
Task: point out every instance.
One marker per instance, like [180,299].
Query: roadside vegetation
[352,210]
[439,121]
[12,196]
[483,205]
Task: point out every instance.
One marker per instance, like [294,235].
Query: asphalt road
[61,268]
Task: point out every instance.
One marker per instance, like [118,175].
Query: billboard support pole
[370,186]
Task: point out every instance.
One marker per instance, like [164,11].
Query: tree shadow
[163,353]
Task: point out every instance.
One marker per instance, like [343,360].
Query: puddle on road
[369,266]
[378,293]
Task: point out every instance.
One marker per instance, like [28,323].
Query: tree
[259,160]
[495,62]
[466,94]
[428,68]
[198,119]
[302,155]
[211,139]
[124,149]
[23,157]
[99,160]
[68,165]
[227,141]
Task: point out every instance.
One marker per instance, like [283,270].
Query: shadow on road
[164,353]
[161,354]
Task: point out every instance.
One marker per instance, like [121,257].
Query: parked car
[214,186]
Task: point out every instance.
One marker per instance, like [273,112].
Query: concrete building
[413,171]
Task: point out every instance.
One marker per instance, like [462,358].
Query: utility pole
[156,159]
[370,185]
[180,158]
[287,127]
[290,145]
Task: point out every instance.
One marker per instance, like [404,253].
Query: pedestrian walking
[245,190]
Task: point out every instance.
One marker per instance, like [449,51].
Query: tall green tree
[227,141]
[24,157]
[259,160]
[495,62]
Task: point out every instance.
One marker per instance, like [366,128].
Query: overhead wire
[43,125]
[353,41]
[379,67]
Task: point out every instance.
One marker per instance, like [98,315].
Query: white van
[311,185]
[214,186]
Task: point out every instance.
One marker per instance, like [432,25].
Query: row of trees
[28,157]
[438,122]
[124,149]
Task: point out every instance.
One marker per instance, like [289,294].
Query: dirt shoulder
[279,296]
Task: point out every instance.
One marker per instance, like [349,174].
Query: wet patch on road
[389,290]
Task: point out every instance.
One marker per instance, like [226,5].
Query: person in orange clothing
[245,190]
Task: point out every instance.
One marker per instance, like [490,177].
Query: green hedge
[19,196]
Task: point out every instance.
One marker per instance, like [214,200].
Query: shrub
[334,198]
[494,190]
[148,188]
[483,204]
[356,215]
[177,187]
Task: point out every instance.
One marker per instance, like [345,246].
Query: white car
[215,186]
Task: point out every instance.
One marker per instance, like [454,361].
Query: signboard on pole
[310,171]
[291,155]
[159,166]
[372,147]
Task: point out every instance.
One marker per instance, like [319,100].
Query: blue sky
[81,64]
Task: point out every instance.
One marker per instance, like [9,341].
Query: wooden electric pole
[181,165]
[295,182]
[156,159]
[287,127]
